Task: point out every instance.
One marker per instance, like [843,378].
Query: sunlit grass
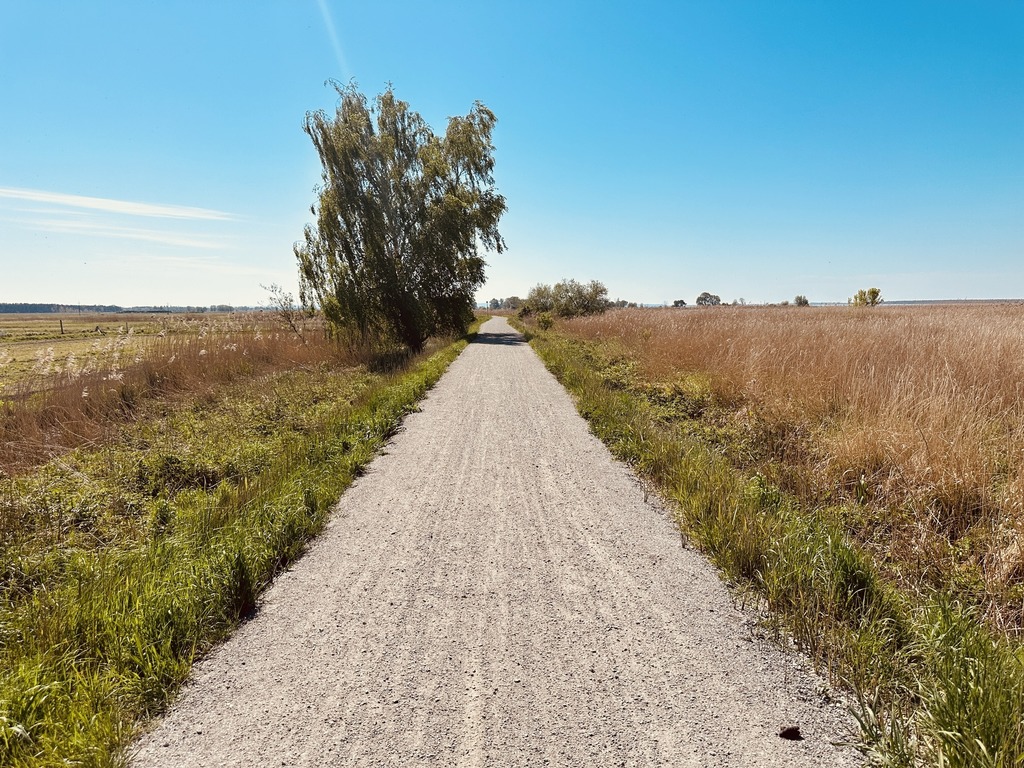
[910,420]
[933,683]
[79,398]
[122,563]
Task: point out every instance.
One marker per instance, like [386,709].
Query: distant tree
[871,297]
[512,302]
[801,301]
[494,304]
[539,299]
[679,303]
[708,300]
[282,304]
[402,215]
[574,299]
[568,298]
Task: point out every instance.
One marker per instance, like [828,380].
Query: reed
[910,420]
[80,397]
[933,681]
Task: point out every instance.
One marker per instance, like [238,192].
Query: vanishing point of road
[495,591]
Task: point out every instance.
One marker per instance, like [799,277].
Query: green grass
[122,565]
[934,686]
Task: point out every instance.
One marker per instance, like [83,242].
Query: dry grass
[909,419]
[78,395]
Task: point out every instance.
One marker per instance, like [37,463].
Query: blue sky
[153,153]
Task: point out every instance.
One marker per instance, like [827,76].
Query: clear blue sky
[153,153]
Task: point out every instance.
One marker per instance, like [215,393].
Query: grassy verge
[935,686]
[122,565]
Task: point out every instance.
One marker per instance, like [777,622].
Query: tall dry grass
[913,414]
[76,400]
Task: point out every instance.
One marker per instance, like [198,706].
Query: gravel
[496,591]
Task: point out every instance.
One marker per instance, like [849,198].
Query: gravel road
[495,591]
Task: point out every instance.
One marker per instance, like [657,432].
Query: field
[32,346]
[64,390]
[858,472]
[151,485]
[908,421]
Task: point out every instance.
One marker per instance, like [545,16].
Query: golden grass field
[909,420]
[39,344]
[63,390]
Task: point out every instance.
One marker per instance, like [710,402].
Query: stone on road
[496,592]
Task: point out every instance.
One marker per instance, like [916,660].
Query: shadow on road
[499,338]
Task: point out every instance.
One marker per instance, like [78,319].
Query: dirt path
[496,592]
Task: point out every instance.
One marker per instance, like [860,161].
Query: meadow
[858,474]
[909,421]
[69,380]
[150,489]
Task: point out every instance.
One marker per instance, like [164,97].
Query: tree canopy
[707,299]
[568,298]
[401,218]
[871,297]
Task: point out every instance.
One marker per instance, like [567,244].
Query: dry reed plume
[912,415]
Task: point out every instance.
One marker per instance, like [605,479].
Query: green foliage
[708,300]
[801,301]
[401,215]
[975,713]
[540,299]
[568,298]
[870,297]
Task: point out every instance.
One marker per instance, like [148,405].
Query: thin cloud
[333,34]
[124,207]
[197,263]
[127,233]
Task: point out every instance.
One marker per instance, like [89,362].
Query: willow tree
[402,219]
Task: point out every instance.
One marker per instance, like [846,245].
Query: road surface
[496,592]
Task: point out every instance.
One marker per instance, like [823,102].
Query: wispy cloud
[108,205]
[333,34]
[97,229]
[198,264]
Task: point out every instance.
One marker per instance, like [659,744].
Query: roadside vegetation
[125,556]
[156,473]
[858,472]
[61,391]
